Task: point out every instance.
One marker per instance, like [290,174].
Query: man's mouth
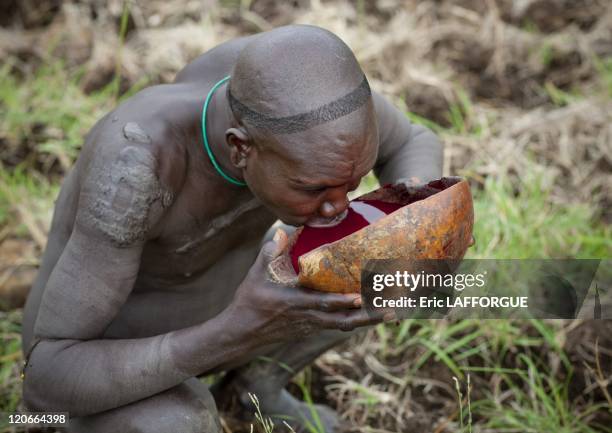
[327,222]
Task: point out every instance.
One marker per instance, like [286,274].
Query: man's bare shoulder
[150,123]
[155,133]
[135,161]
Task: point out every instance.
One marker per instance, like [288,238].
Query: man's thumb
[272,249]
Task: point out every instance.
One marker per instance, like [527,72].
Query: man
[153,273]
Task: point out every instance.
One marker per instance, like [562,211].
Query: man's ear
[240,146]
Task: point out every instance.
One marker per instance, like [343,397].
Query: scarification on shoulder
[129,198]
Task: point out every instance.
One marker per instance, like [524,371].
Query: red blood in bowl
[361,213]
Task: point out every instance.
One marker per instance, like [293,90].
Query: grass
[460,400]
[604,70]
[264,422]
[47,114]
[559,97]
[517,355]
[10,361]
[26,203]
[461,115]
[544,402]
[530,396]
[522,221]
[546,54]
[44,116]
[303,382]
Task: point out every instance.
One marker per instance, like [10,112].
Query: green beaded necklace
[204,135]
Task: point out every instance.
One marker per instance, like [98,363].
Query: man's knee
[188,408]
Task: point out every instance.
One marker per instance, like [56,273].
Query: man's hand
[410,181]
[274,313]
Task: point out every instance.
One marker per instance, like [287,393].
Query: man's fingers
[280,240]
[327,301]
[409,181]
[347,321]
[364,318]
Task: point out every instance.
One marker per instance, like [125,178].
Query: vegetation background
[521,94]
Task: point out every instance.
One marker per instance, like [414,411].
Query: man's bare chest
[191,244]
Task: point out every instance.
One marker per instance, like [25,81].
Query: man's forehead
[327,150]
[328,163]
[337,136]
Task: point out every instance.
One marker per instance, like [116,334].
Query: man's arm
[406,150]
[70,368]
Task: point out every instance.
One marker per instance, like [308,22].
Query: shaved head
[307,129]
[294,78]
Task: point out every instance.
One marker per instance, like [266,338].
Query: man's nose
[334,204]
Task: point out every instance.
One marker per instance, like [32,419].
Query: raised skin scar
[218,224]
